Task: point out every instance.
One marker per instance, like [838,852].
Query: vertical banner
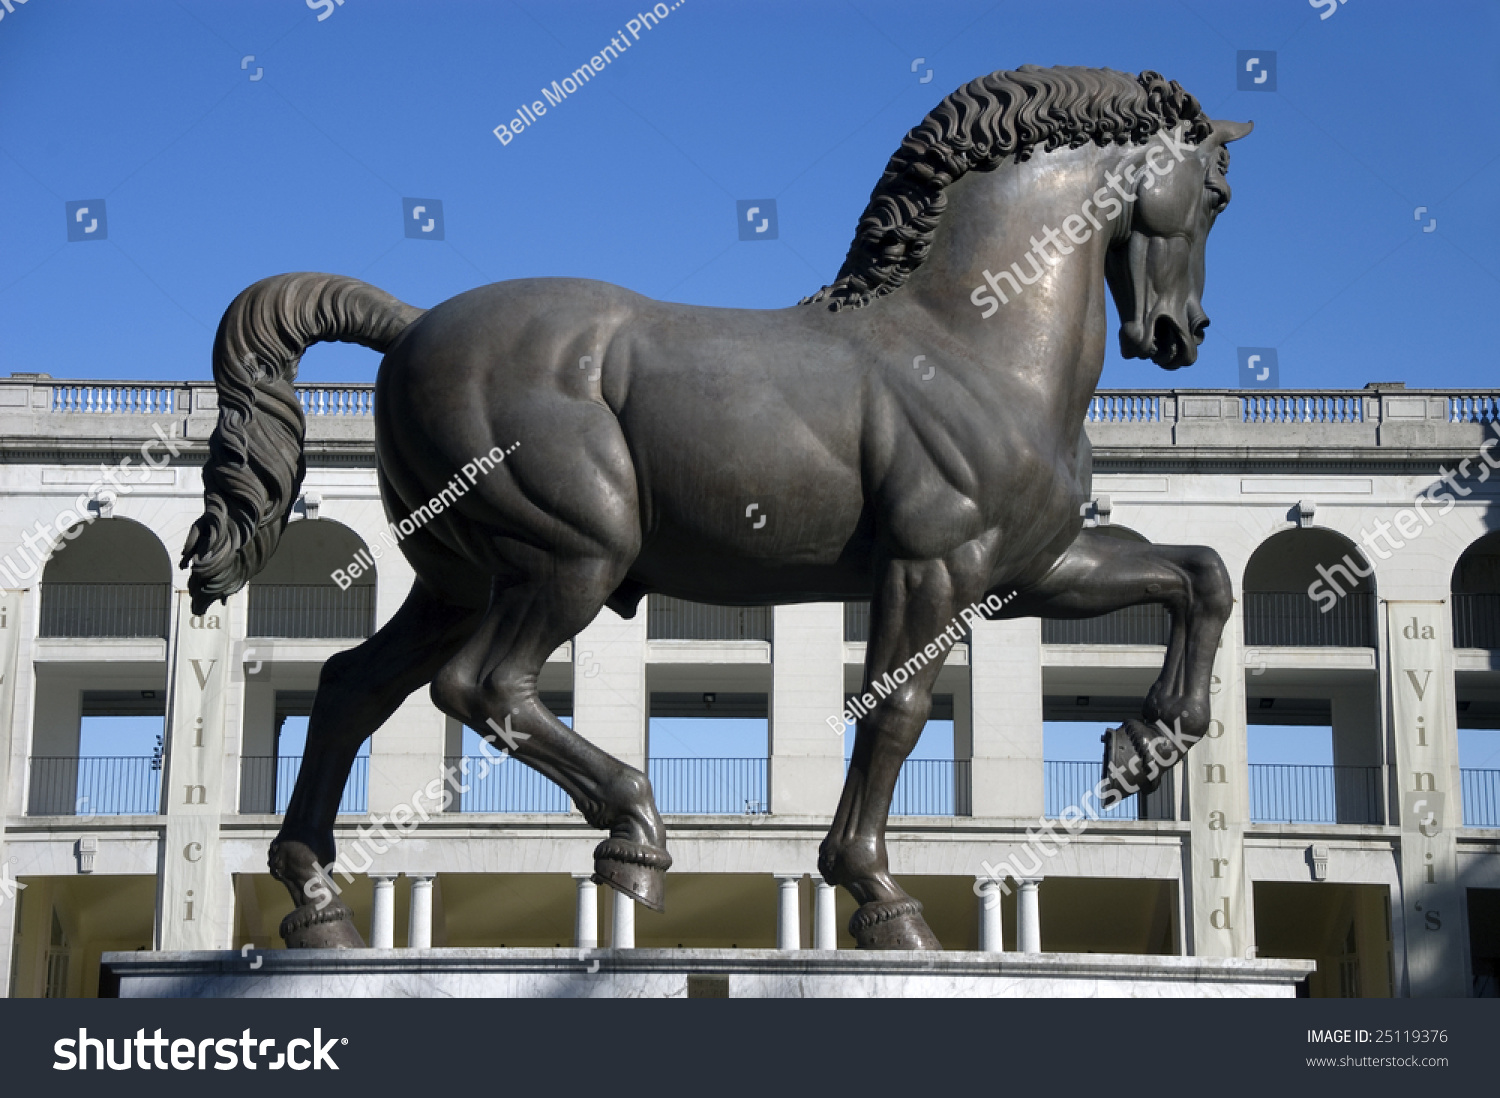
[1424,729]
[195,906]
[1217,779]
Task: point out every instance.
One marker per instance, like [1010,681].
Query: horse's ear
[1231,131]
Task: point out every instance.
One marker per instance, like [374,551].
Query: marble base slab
[690,973]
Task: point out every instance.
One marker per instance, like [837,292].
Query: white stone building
[1384,866]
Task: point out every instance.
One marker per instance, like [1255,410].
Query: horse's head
[1155,269]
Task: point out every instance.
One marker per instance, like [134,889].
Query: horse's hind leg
[357,691]
[491,686]
[1099,574]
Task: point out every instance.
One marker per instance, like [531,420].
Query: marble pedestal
[690,973]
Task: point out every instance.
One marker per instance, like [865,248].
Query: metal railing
[1067,783]
[94,785]
[932,787]
[677,619]
[114,399]
[497,783]
[1275,618]
[718,787]
[336,400]
[1147,624]
[1300,793]
[105,609]
[1476,620]
[311,610]
[267,781]
[1481,793]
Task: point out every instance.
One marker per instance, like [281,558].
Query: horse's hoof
[331,928]
[1127,758]
[637,870]
[892,924]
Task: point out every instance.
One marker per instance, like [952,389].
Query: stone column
[991,929]
[963,746]
[1359,795]
[586,913]
[19,698]
[825,915]
[383,911]
[8,930]
[622,932]
[1028,916]
[56,726]
[788,928]
[1005,675]
[807,688]
[406,755]
[10,633]
[419,928]
[257,780]
[610,704]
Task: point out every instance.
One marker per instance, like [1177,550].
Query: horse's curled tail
[255,460]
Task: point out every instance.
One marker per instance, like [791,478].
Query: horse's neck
[1048,338]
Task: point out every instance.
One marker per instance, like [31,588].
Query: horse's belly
[750,581]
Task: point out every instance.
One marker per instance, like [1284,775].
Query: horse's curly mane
[986,120]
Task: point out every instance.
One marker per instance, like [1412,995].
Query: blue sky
[212,179]
[230,141]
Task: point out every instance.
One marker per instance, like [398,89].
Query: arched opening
[97,728]
[1314,740]
[1309,588]
[319,583]
[1147,623]
[1476,624]
[1476,595]
[107,578]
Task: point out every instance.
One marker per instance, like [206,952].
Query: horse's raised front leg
[1100,574]
[915,602]
[358,690]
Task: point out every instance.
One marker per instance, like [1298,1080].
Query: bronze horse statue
[922,490]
